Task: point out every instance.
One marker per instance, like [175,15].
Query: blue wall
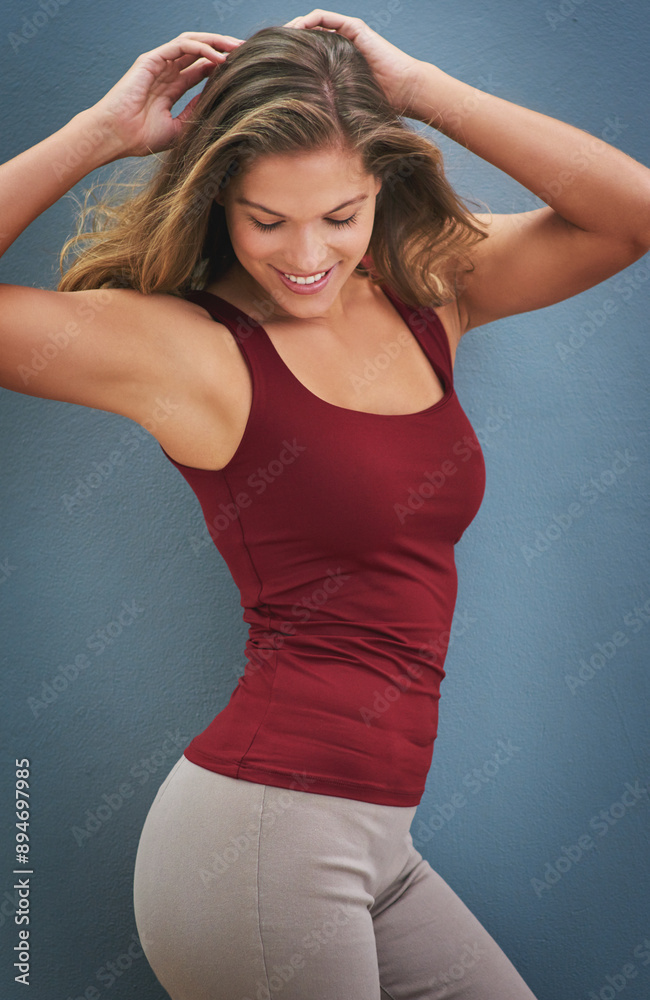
[549,656]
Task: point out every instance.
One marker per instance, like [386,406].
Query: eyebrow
[254,204]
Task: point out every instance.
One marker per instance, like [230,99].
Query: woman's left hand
[397,73]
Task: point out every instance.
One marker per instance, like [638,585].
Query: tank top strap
[240,324]
[427,327]
[269,374]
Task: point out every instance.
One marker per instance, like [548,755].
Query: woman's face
[301,214]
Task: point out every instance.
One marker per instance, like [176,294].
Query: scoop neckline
[448,388]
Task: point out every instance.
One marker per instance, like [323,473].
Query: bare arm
[37,178]
[105,348]
[597,219]
[62,345]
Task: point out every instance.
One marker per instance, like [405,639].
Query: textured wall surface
[121,628]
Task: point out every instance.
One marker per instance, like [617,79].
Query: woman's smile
[306,285]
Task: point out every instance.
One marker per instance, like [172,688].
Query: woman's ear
[378,184]
[219,198]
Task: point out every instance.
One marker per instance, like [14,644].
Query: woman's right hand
[137,110]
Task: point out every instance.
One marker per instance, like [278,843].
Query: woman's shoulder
[184,335]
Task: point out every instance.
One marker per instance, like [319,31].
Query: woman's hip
[229,872]
[214,828]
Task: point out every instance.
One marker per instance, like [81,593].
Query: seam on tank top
[248,552]
[383,990]
[242,759]
[259,914]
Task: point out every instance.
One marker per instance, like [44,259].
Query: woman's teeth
[305,281]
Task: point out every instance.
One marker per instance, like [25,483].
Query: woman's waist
[271,621]
[386,647]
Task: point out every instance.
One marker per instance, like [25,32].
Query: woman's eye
[339,223]
[260,225]
[343,222]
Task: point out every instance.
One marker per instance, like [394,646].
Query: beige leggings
[245,891]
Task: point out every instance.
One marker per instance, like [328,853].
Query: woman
[296,230]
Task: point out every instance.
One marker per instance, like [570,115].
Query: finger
[188,60]
[209,35]
[222,44]
[183,45]
[328,20]
[194,74]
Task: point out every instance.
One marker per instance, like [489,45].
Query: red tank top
[338,527]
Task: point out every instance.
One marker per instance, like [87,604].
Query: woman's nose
[306,253]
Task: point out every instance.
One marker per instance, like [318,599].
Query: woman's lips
[312,288]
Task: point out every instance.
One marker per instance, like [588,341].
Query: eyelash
[339,223]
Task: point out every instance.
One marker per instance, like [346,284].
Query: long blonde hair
[283,90]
